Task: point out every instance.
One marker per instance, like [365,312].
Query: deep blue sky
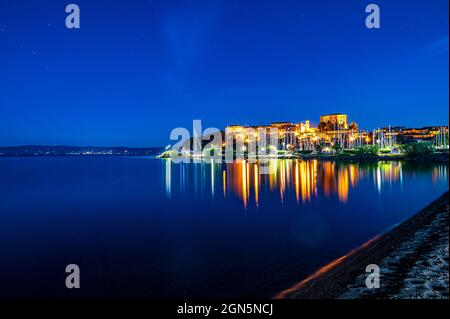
[137,69]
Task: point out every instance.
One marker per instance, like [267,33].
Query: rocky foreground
[413,261]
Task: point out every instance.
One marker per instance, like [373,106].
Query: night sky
[137,69]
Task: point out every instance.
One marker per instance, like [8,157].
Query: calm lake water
[145,227]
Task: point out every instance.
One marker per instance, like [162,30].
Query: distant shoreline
[413,261]
[62,150]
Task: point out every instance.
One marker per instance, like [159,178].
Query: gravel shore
[412,258]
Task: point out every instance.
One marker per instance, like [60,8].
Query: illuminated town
[334,131]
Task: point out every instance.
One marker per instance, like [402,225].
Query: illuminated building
[338,120]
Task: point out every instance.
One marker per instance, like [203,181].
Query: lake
[146,227]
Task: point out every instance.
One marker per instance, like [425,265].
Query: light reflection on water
[302,179]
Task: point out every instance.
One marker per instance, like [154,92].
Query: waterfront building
[337,120]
